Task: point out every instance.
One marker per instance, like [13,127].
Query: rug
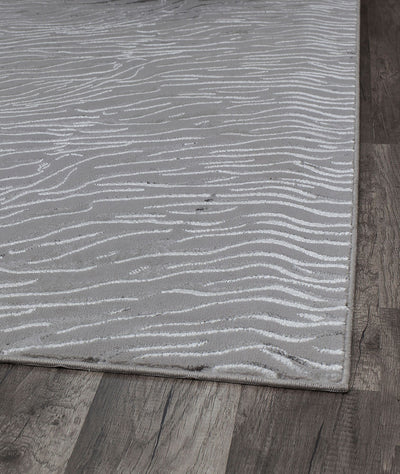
[178,187]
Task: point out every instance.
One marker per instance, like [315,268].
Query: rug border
[342,386]
[353,257]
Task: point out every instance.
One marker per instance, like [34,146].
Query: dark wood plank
[390,393]
[284,431]
[154,425]
[388,158]
[378,263]
[384,43]
[41,414]
[366,326]
[365,117]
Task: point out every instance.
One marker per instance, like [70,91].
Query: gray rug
[178,187]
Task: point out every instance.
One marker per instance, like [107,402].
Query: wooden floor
[54,420]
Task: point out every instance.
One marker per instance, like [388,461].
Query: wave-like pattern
[177,184]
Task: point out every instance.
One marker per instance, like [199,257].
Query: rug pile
[178,187]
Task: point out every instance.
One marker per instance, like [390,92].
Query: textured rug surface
[178,185]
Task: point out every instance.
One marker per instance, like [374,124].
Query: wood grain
[153,425]
[365,123]
[366,327]
[389,425]
[41,414]
[384,42]
[284,431]
[388,158]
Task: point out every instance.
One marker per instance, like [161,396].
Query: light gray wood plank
[123,421]
[353,443]
[152,425]
[366,363]
[388,157]
[390,393]
[198,428]
[41,413]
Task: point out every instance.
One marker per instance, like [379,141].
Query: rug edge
[353,255]
[341,386]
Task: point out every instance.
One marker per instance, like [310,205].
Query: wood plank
[353,442]
[268,424]
[303,432]
[384,42]
[365,118]
[390,393]
[123,422]
[378,265]
[41,414]
[198,428]
[388,157]
[152,425]
[366,327]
